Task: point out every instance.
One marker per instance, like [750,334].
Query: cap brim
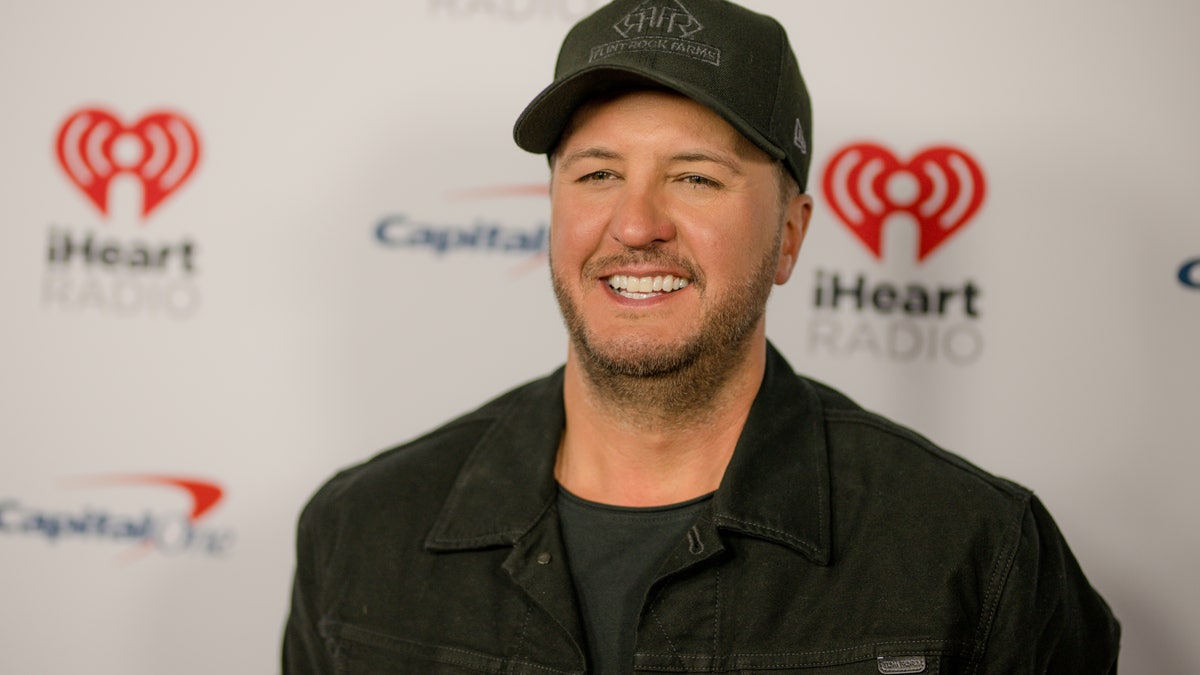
[540,126]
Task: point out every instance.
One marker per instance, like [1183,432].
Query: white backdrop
[297,324]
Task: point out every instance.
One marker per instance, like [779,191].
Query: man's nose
[639,219]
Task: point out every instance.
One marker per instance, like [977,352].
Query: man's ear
[795,226]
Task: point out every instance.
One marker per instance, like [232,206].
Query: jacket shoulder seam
[1013,490]
[1001,570]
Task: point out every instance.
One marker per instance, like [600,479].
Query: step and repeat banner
[245,244]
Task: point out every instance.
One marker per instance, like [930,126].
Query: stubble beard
[667,384]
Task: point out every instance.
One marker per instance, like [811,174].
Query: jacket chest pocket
[913,664]
[360,651]
[928,663]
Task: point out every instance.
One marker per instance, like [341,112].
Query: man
[675,499]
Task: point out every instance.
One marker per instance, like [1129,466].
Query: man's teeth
[631,284]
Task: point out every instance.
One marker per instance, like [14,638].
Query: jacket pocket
[906,664]
[361,651]
[918,658]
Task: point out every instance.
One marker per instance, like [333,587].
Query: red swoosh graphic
[204,495]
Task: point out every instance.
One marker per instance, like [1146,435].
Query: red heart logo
[940,187]
[161,150]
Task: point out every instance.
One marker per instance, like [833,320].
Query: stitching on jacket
[786,536]
[929,447]
[662,629]
[991,601]
[952,644]
[730,662]
[717,619]
[521,638]
[446,653]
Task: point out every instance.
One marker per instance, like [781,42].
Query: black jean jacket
[838,543]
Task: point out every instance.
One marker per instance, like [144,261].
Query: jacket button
[544,558]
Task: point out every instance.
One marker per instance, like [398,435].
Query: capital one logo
[160,150]
[940,187]
[674,16]
[146,531]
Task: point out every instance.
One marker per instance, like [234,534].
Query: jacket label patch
[893,665]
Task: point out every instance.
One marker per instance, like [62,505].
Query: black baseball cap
[737,62]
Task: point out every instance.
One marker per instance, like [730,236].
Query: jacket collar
[776,486]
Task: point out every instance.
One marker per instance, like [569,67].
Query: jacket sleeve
[1049,619]
[304,651]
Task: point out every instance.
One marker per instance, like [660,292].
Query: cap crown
[735,61]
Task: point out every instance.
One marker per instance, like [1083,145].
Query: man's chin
[637,357]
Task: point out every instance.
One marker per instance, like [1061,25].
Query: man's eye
[597,176]
[700,181]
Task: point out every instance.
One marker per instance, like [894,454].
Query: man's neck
[618,450]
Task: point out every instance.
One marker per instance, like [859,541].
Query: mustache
[648,257]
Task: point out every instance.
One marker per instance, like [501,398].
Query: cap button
[544,558]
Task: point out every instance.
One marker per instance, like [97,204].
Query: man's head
[675,191]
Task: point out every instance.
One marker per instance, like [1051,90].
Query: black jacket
[838,542]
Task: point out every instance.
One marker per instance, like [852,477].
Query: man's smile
[641,288]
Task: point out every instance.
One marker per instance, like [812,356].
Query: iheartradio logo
[161,150]
[940,187]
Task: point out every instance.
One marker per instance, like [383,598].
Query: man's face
[666,234]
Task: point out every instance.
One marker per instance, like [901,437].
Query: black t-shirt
[614,553]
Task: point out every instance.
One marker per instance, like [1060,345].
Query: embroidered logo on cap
[799,137]
[655,26]
[901,665]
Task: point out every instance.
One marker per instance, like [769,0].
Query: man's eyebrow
[566,161]
[716,158]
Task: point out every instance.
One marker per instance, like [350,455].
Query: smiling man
[675,499]
[669,231]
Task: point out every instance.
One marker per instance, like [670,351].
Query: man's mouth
[640,288]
